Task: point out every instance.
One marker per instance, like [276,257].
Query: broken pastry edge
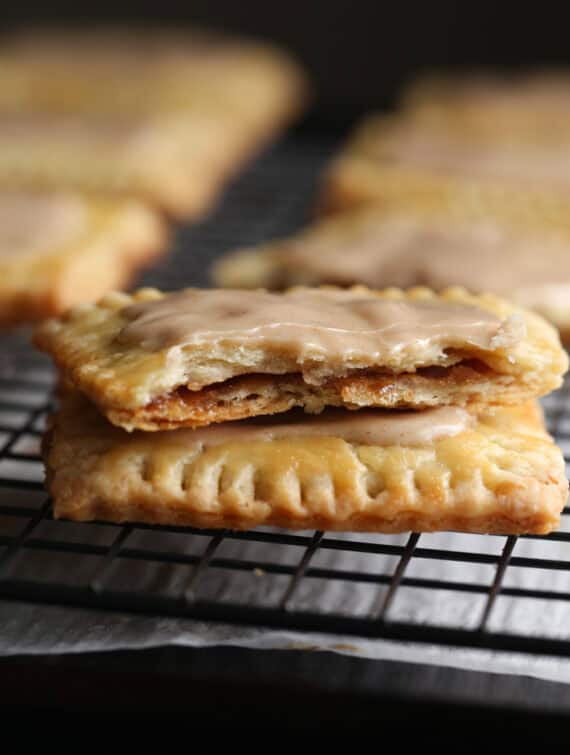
[104,388]
[258,395]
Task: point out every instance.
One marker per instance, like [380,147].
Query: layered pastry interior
[372,470]
[404,245]
[157,361]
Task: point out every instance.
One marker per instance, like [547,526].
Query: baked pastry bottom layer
[504,476]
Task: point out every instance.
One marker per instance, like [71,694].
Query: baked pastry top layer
[498,473]
[405,244]
[60,248]
[153,360]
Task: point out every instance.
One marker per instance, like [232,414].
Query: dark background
[359,53]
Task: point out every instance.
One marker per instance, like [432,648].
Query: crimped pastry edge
[505,476]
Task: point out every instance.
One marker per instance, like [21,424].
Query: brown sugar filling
[251,388]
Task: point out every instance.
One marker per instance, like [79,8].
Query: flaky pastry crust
[138,387]
[505,475]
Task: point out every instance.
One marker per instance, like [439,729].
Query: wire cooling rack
[503,593]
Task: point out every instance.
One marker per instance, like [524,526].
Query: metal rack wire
[447,589]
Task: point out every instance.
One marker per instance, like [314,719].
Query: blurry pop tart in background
[153,120]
